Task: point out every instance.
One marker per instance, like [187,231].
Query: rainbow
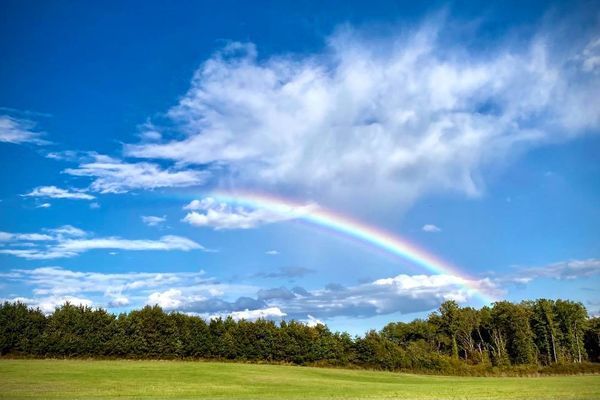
[353,229]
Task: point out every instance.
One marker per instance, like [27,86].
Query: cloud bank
[198,294]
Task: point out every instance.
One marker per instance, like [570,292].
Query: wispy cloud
[58,193]
[152,220]
[7,236]
[67,230]
[285,273]
[572,269]
[69,241]
[111,175]
[17,131]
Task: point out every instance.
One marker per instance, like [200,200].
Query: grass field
[78,379]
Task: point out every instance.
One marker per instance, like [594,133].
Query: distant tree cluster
[534,333]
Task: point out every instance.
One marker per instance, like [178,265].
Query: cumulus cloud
[403,293]
[119,301]
[400,116]
[168,299]
[17,131]
[430,228]
[69,241]
[210,212]
[116,176]
[152,220]
[58,193]
[312,321]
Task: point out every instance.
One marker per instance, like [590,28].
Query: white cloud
[251,315]
[398,117]
[44,205]
[152,220]
[312,321]
[94,206]
[115,176]
[272,252]
[17,131]
[58,193]
[430,228]
[221,215]
[168,299]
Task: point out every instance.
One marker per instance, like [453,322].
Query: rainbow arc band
[353,229]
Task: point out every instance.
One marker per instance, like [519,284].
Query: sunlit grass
[79,379]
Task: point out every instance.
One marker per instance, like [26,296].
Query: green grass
[80,379]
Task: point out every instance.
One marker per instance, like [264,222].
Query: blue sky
[469,131]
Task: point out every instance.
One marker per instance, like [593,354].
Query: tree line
[534,334]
